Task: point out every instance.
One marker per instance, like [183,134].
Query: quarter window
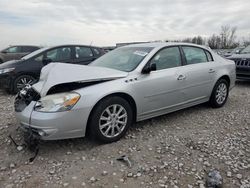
[167,58]
[194,55]
[209,56]
[83,52]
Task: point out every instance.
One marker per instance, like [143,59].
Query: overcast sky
[106,22]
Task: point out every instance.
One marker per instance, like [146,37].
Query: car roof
[163,44]
[25,46]
[63,45]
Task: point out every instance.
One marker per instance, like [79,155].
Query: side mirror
[147,69]
[46,61]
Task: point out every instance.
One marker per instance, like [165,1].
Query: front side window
[194,55]
[167,58]
[123,59]
[39,58]
[14,49]
[83,52]
[59,54]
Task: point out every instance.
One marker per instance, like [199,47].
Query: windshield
[123,59]
[246,50]
[34,53]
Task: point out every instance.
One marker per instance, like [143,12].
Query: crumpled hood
[59,73]
[239,56]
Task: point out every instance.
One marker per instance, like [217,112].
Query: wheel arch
[21,74]
[123,95]
[225,77]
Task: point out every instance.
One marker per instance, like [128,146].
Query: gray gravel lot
[175,150]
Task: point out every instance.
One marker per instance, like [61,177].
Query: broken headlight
[57,102]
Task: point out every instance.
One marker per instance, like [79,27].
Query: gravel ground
[175,150]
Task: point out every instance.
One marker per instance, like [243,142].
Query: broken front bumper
[53,126]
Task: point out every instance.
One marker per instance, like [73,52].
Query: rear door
[197,74]
[83,55]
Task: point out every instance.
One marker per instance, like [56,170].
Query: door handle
[181,77]
[211,71]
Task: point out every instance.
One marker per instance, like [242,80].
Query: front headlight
[2,71]
[57,102]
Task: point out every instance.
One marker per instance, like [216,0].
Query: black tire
[214,101]
[16,84]
[100,110]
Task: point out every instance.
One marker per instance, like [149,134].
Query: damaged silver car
[129,84]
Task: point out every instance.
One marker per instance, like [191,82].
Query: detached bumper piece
[24,97]
[32,140]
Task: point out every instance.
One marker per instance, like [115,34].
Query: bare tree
[228,36]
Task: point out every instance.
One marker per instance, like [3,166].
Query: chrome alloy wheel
[24,82]
[113,120]
[221,93]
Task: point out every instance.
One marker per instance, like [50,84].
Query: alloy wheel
[221,93]
[113,120]
[24,81]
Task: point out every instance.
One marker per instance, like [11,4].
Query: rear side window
[83,52]
[194,55]
[167,58]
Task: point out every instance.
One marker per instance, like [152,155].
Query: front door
[160,91]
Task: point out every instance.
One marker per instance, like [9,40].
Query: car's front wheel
[220,93]
[21,81]
[110,119]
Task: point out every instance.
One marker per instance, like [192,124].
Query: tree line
[226,39]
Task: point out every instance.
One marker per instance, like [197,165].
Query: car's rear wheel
[21,81]
[220,94]
[110,119]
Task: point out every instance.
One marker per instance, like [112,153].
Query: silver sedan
[126,85]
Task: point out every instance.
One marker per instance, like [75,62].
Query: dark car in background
[242,61]
[16,74]
[16,52]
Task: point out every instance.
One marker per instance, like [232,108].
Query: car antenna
[91,43]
